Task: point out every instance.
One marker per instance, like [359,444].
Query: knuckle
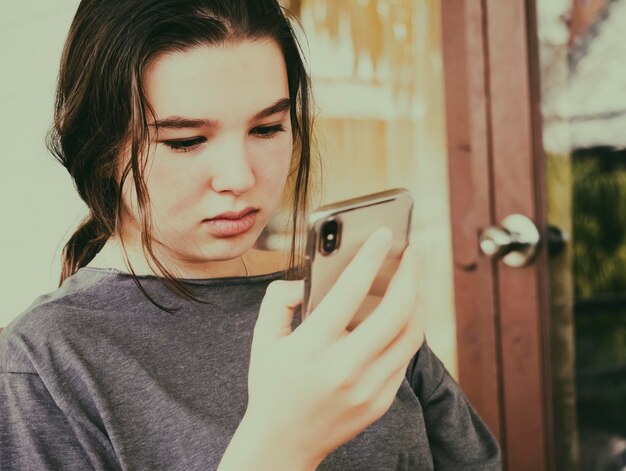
[275,287]
[412,345]
[413,331]
[360,397]
[411,341]
[416,329]
[381,405]
[418,332]
[407,305]
[276,284]
[341,378]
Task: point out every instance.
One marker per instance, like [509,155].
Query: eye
[184,145]
[267,132]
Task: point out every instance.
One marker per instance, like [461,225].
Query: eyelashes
[187,145]
[184,145]
[266,132]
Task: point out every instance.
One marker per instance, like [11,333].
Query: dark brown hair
[101,106]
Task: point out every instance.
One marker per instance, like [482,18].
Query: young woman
[172,342]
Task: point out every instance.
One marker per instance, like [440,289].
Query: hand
[315,388]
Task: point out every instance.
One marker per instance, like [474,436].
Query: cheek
[173,190]
[274,164]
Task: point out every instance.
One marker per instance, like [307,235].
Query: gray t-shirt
[94,376]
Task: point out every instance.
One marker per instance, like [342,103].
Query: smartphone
[336,232]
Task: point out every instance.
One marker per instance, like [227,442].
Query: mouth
[231,224]
[234,215]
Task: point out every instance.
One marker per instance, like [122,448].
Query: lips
[231,224]
[234,215]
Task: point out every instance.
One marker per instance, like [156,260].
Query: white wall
[38,204]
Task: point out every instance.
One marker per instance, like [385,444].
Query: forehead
[224,82]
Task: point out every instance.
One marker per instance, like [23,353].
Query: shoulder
[52,319]
[426,372]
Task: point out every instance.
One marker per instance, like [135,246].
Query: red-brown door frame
[496,169]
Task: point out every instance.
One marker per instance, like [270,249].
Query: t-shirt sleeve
[458,438]
[35,434]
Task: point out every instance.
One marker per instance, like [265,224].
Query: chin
[226,248]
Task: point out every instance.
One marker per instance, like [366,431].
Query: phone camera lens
[329,236]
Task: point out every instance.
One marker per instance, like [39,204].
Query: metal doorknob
[516,241]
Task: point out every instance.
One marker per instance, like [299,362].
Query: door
[536,111]
[492,145]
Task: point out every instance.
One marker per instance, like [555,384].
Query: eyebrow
[178,122]
[280,106]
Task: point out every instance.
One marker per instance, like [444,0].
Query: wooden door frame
[495,154]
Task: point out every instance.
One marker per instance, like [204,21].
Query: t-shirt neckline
[197,281]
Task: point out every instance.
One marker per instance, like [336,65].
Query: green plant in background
[599,180]
[599,268]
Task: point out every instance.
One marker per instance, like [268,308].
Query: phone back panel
[359,218]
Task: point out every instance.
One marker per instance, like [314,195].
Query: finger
[337,308]
[389,390]
[281,300]
[389,318]
[397,354]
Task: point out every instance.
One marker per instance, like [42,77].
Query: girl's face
[224,144]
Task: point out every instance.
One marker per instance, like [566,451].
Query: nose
[232,170]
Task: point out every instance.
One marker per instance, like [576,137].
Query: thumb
[278,307]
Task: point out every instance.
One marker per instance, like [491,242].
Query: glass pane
[582,53]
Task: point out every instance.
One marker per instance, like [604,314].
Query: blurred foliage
[599,265]
[600,337]
[599,180]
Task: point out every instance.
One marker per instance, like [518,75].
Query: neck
[114,255]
